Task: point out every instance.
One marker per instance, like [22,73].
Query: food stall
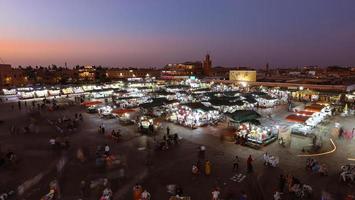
[101,94]
[309,118]
[9,91]
[194,115]
[125,116]
[78,90]
[146,123]
[41,93]
[105,111]
[54,92]
[26,94]
[68,90]
[92,106]
[249,129]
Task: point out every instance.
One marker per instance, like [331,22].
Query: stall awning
[243,115]
[162,92]
[297,118]
[91,103]
[122,111]
[198,106]
[225,102]
[305,113]
[314,108]
[249,98]
[156,102]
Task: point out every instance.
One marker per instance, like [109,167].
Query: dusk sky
[152,33]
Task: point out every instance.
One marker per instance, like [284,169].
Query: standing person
[289,182]
[236,163]
[202,152]
[282,182]
[179,192]
[266,158]
[103,129]
[54,186]
[107,150]
[195,171]
[215,194]
[151,128]
[208,168]
[243,196]
[167,131]
[19,105]
[137,192]
[249,164]
[145,195]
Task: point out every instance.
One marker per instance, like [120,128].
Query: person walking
[195,170]
[202,152]
[249,164]
[243,196]
[208,168]
[167,131]
[215,194]
[282,182]
[145,195]
[107,150]
[236,163]
[137,192]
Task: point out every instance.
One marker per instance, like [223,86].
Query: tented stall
[240,116]
[249,129]
[92,106]
[194,115]
[78,90]
[54,92]
[125,116]
[9,91]
[41,93]
[148,124]
[101,94]
[68,90]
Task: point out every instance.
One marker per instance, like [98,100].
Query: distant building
[242,75]
[182,70]
[10,77]
[87,73]
[207,66]
[119,73]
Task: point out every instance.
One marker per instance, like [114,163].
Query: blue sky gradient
[145,33]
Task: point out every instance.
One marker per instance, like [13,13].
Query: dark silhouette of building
[207,66]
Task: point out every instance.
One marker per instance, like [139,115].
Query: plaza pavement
[168,167]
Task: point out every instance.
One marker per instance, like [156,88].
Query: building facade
[242,75]
[10,77]
[119,73]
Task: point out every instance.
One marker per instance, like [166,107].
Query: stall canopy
[91,103]
[122,111]
[231,93]
[305,113]
[156,102]
[244,116]
[225,102]
[162,92]
[198,106]
[314,108]
[297,118]
[250,98]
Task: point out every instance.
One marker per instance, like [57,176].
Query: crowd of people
[139,193]
[314,166]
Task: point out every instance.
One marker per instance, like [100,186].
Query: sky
[152,33]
